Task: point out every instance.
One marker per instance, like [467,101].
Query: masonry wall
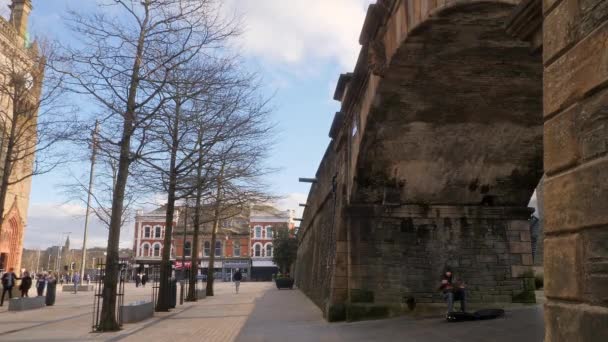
[576,165]
[401,252]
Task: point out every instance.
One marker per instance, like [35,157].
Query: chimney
[20,11]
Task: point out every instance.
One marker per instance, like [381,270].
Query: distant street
[259,313]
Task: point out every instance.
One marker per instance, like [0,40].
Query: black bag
[477,315]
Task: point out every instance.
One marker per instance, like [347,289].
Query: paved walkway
[259,313]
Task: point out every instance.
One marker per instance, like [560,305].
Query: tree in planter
[123,63]
[285,249]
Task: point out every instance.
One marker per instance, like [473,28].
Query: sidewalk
[259,313]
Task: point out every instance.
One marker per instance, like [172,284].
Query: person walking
[40,284]
[26,284]
[237,277]
[51,289]
[8,282]
[76,281]
[137,279]
[144,279]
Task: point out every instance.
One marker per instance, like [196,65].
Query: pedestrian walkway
[258,313]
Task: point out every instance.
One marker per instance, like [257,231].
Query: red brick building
[231,248]
[263,222]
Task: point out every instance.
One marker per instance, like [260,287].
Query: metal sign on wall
[236,263]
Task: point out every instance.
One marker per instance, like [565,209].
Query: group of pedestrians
[43,280]
[141,278]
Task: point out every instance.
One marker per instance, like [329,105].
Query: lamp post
[89,193]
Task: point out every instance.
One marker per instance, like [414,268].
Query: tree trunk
[108,308]
[197,220]
[164,291]
[216,224]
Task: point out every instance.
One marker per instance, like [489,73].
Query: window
[269,250]
[147,232]
[269,232]
[157,231]
[258,232]
[145,250]
[257,250]
[157,250]
[207,249]
[236,248]
[187,248]
[218,248]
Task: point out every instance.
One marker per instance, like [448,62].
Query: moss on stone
[527,295]
[336,313]
[361,296]
[356,312]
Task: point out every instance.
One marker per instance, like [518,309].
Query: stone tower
[20,12]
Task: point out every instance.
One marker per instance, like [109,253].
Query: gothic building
[18,57]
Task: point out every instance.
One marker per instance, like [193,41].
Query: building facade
[230,250]
[17,57]
[243,241]
[264,221]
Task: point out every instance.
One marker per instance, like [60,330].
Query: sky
[299,47]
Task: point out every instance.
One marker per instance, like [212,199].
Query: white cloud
[299,33]
[47,222]
[291,201]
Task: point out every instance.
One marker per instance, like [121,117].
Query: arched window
[187,248]
[157,231]
[236,248]
[269,232]
[147,232]
[257,250]
[156,250]
[145,250]
[218,248]
[269,250]
[207,248]
[258,232]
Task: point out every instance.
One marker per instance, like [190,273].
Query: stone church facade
[16,55]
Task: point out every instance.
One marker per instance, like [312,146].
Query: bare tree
[36,119]
[123,62]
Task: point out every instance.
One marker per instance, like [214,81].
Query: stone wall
[401,252]
[575,54]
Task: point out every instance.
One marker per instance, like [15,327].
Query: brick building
[231,248]
[264,221]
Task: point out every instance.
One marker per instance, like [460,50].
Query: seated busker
[452,290]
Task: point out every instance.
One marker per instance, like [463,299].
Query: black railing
[99,293]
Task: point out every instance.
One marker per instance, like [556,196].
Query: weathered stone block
[596,265]
[525,236]
[361,296]
[577,134]
[570,21]
[562,274]
[575,323]
[520,247]
[519,271]
[526,259]
[26,303]
[577,199]
[578,71]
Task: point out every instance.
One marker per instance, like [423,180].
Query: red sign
[178,264]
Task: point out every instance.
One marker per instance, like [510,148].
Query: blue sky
[299,47]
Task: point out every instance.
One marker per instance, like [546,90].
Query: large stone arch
[457,115]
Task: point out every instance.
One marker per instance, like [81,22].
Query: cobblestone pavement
[259,312]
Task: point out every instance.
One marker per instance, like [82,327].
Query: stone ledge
[81,288]
[137,311]
[26,303]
